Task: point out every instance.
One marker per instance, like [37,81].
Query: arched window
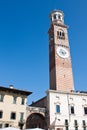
[59,16]
[55,16]
[60,34]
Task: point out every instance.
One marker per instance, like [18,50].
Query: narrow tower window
[59,16]
[60,34]
[54,16]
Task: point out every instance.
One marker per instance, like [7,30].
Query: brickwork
[40,103]
[61,77]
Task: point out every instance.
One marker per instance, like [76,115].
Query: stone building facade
[13,107]
[67,110]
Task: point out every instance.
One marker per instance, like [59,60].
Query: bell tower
[61,77]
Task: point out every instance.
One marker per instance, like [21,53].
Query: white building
[67,110]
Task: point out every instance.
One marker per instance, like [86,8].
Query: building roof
[72,92]
[16,91]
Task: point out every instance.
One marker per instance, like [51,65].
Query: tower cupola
[57,16]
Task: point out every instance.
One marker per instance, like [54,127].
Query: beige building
[13,107]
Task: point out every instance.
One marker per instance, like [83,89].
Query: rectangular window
[66,124]
[76,124]
[14,100]
[85,110]
[1,97]
[21,115]
[57,108]
[0,125]
[84,128]
[84,125]
[67,128]
[76,128]
[72,109]
[6,125]
[1,114]
[13,115]
[22,101]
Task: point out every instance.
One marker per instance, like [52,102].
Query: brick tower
[61,77]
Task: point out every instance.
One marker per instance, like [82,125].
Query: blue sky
[24,56]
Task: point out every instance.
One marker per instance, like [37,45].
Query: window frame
[22,101]
[72,110]
[1,125]
[14,99]
[84,124]
[6,125]
[85,110]
[76,124]
[59,16]
[57,108]
[66,124]
[55,16]
[1,114]
[21,115]
[1,97]
[13,117]
[60,34]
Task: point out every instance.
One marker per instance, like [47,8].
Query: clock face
[62,52]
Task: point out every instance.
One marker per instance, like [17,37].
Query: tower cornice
[61,25]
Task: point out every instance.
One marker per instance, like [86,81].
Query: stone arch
[36,120]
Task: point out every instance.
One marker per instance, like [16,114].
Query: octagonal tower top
[57,16]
